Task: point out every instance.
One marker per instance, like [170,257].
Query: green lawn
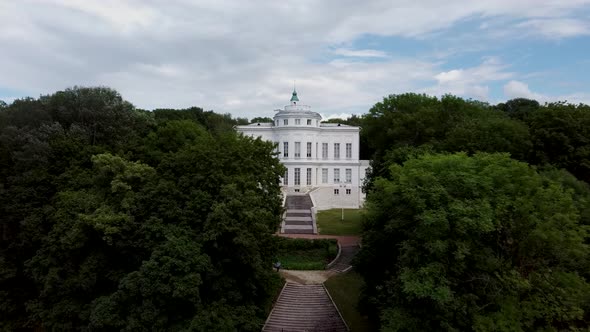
[303,254]
[330,222]
[345,290]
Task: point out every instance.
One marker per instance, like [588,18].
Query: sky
[243,57]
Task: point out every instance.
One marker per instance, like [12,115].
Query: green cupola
[294,96]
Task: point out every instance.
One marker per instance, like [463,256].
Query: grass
[303,254]
[330,222]
[345,289]
[310,259]
[275,285]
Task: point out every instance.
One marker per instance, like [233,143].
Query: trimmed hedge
[305,254]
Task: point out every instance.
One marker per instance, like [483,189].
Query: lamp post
[342,205]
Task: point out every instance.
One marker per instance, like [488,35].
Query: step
[306,211]
[298,231]
[304,308]
[298,227]
[291,222]
[296,219]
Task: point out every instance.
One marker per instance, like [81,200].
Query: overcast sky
[242,56]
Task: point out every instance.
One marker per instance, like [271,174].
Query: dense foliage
[481,243]
[556,133]
[115,218]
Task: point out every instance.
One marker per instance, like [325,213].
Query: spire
[294,96]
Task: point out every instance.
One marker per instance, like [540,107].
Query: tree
[481,243]
[519,108]
[450,124]
[261,119]
[115,218]
[561,136]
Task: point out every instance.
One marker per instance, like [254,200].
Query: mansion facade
[322,159]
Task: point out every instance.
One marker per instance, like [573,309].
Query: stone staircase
[304,308]
[298,216]
[343,263]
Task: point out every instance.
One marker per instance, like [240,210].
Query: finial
[294,96]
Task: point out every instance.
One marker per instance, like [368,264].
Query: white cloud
[360,53]
[242,56]
[518,89]
[556,28]
[470,82]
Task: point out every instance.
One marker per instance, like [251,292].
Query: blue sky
[243,57]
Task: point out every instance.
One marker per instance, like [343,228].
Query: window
[348,191]
[336,192]
[348,150]
[348,175]
[324,175]
[309,122]
[308,149]
[297,149]
[286,178]
[276,122]
[276,147]
[297,121]
[336,150]
[324,150]
[297,176]
[308,177]
[296,190]
[285,122]
[336,175]
[286,149]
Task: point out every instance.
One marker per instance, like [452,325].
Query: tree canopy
[120,219]
[555,134]
[480,243]
[116,218]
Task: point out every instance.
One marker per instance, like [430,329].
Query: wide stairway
[304,308]
[298,216]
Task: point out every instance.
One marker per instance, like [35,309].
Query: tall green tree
[120,219]
[447,124]
[481,243]
[561,137]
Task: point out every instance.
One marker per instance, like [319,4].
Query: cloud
[470,82]
[360,53]
[242,57]
[556,28]
[516,89]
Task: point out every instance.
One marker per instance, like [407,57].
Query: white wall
[323,193]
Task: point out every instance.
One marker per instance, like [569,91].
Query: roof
[334,125]
[258,124]
[294,96]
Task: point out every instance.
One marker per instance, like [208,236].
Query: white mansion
[322,159]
